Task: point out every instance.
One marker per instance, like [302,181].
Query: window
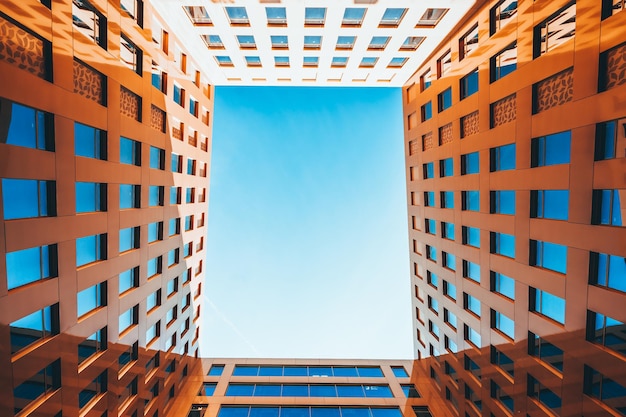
[213,41]
[353,16]
[548,255]
[129,239]
[429,226]
[502,158]
[549,204]
[501,360]
[470,163]
[134,8]
[130,354]
[34,327]
[607,271]
[246,41]
[178,95]
[29,128]
[188,223]
[177,163]
[502,285]
[276,15]
[173,257]
[429,198]
[425,80]
[471,236]
[28,198]
[159,78]
[431,253]
[433,304]
[155,266]
[90,142]
[446,167]
[545,351]
[448,260]
[429,170]
[153,300]
[91,197]
[502,202]
[339,61]
[31,265]
[447,230]
[444,64]
[606,140]
[42,383]
[503,324]
[604,389]
[411,43]
[128,318]
[310,61]
[444,99]
[157,158]
[368,62]
[155,231]
[502,397]
[237,15]
[397,62]
[449,290]
[410,391]
[427,111]
[449,318]
[392,17]
[91,249]
[90,22]
[190,194]
[468,44]
[431,17]
[224,61]
[130,55]
[171,315]
[606,207]
[93,389]
[606,331]
[128,279]
[130,196]
[503,63]
[91,298]
[503,244]
[345,42]
[379,42]
[472,336]
[314,15]
[547,304]
[471,304]
[312,42]
[432,279]
[130,151]
[153,332]
[501,14]
[175,195]
[551,149]
[555,30]
[469,84]
[281,61]
[155,195]
[544,395]
[174,226]
[470,200]
[471,270]
[399,372]
[279,42]
[447,199]
[93,344]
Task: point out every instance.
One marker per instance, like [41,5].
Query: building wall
[48,63]
[575,87]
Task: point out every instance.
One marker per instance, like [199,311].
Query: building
[515,145]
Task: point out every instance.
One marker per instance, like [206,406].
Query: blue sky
[307,247]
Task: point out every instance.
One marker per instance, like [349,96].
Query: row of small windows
[32,128]
[312,61]
[294,411]
[314,16]
[313,371]
[309,390]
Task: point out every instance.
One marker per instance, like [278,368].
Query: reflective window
[432,279]
[447,230]
[468,44]
[611,393]
[448,260]
[503,63]
[429,226]
[606,331]
[128,318]
[471,236]
[237,15]
[543,394]
[555,30]
[446,167]
[411,43]
[368,61]
[312,42]
[310,61]
[549,204]
[606,207]
[503,324]
[447,199]
[188,223]
[449,290]
[502,397]
[128,279]
[503,244]
[502,202]
[378,42]
[130,151]
[501,14]
[90,197]
[93,344]
[469,84]
[547,304]
[397,62]
[392,17]
[471,270]
[470,200]
[339,61]
[503,285]
[42,383]
[36,326]
[30,265]
[314,15]
[501,360]
[159,78]
[345,42]
[174,226]
[153,300]
[90,22]
[89,141]
[444,99]
[471,303]
[157,158]
[548,255]
[607,271]
[153,332]
[545,351]
[155,266]
[178,95]
[429,170]
[198,15]
[223,61]
[353,16]
[606,140]
[502,158]
[426,79]
[431,17]
[472,336]
[276,15]
[130,196]
[129,239]
[91,249]
[28,198]
[551,149]
[444,64]
[155,231]
[246,41]
[28,127]
[130,55]
[427,111]
[431,253]
[93,389]
[155,197]
[449,318]
[91,298]
[470,163]
[173,257]
[399,372]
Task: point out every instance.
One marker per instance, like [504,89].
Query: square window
[28,127]
[502,158]
[503,244]
[237,15]
[547,304]
[470,200]
[90,22]
[90,142]
[91,249]
[502,202]
[213,41]
[470,163]
[224,61]
[502,285]
[353,16]
[503,63]
[548,255]
[279,42]
[23,199]
[314,15]
[551,149]
[549,204]
[276,15]
[130,151]
[312,42]
[246,41]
